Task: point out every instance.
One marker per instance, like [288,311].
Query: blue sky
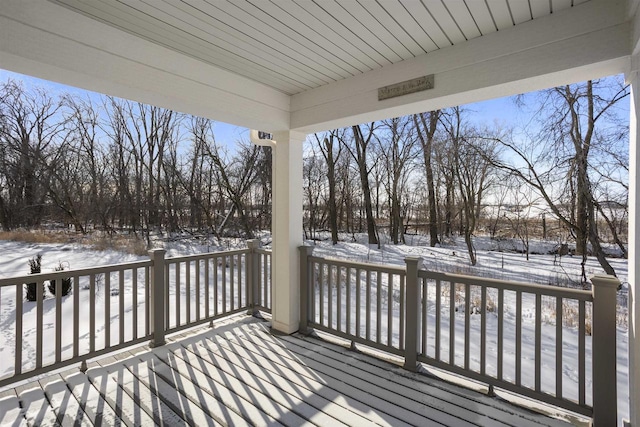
[495,111]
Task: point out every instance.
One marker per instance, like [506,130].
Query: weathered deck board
[241,374]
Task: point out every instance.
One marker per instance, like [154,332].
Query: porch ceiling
[297,45]
[311,65]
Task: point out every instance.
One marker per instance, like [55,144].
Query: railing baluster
[312,291]
[240,282]
[368,305]
[198,301]
[582,320]
[483,331]
[224,284]
[467,326]
[216,263]
[76,315]
[19,309]
[232,268]
[339,296]
[330,295]
[178,302]
[425,306]
[378,308]
[538,341]
[39,322]
[438,302]
[92,313]
[348,296]
[187,284]
[321,297]
[452,323]
[58,290]
[134,302]
[390,309]
[147,298]
[121,304]
[358,280]
[266,296]
[107,310]
[559,347]
[403,292]
[518,338]
[207,262]
[500,332]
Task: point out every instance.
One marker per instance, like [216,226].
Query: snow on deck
[241,374]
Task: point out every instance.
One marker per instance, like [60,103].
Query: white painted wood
[157,390]
[10,412]
[557,5]
[378,396]
[440,13]
[259,402]
[520,11]
[125,406]
[463,19]
[360,26]
[343,49]
[482,17]
[51,42]
[367,53]
[586,42]
[64,403]
[500,12]
[284,386]
[303,377]
[287,230]
[216,401]
[376,18]
[539,8]
[426,21]
[250,60]
[399,13]
[306,28]
[634,245]
[236,16]
[36,408]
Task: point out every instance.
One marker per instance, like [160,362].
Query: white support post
[286,228]
[634,247]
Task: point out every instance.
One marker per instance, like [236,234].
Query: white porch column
[634,245]
[286,225]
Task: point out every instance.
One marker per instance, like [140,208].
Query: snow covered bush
[35,265]
[66,283]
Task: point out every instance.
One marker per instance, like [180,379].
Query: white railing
[473,327]
[115,306]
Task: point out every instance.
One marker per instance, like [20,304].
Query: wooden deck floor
[240,374]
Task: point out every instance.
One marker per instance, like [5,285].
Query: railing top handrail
[532,288]
[195,257]
[263,251]
[37,277]
[385,268]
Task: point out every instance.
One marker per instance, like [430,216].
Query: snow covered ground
[495,261]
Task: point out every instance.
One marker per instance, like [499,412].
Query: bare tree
[425,127]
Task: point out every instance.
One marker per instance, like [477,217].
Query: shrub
[35,265]
[66,283]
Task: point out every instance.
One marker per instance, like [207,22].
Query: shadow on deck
[240,374]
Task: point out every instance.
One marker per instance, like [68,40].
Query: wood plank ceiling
[296,45]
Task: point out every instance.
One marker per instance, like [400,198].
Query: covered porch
[292,68]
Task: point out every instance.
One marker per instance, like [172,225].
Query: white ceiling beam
[51,42]
[588,41]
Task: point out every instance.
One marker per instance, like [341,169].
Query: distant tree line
[438,172]
[120,165]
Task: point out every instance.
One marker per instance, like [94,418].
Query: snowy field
[450,257]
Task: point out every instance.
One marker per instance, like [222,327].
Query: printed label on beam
[404,88]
